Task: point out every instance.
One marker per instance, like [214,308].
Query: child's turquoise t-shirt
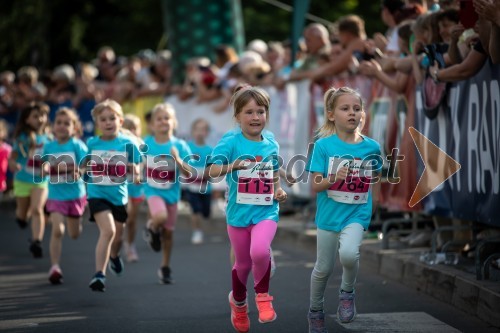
[107,163]
[251,191]
[162,173]
[199,162]
[348,201]
[62,186]
[31,166]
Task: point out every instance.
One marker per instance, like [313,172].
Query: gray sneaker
[347,309]
[316,322]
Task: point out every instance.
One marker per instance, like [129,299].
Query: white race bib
[108,167]
[62,166]
[255,185]
[355,188]
[160,171]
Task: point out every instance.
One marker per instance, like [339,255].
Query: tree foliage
[47,33]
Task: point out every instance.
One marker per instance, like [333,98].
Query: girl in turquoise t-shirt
[249,160]
[67,195]
[344,164]
[30,186]
[110,154]
[166,159]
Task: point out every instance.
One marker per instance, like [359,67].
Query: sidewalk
[445,283]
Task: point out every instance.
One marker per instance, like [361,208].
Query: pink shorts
[70,208]
[157,205]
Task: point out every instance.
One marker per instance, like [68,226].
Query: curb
[445,283]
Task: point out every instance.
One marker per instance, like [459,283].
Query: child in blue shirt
[198,190]
[166,158]
[249,160]
[30,186]
[108,160]
[343,165]
[67,195]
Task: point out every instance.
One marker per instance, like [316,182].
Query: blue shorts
[200,203]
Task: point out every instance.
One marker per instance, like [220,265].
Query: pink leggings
[251,250]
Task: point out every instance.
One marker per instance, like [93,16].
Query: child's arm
[289,179]
[13,165]
[185,168]
[219,170]
[279,194]
[321,183]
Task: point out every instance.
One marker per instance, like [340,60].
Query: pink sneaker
[239,315]
[55,275]
[132,255]
[265,307]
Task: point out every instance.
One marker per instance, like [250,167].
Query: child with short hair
[30,186]
[249,159]
[67,195]
[109,156]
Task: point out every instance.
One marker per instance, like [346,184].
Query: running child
[166,159]
[249,159]
[109,155]
[30,186]
[198,191]
[135,193]
[5,150]
[343,165]
[67,195]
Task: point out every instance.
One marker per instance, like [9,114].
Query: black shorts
[200,203]
[99,205]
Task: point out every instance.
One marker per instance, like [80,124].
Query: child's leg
[326,249]
[132,220]
[38,198]
[74,227]
[350,239]
[262,235]
[107,231]
[22,206]
[116,244]
[240,244]
[57,221]
[168,233]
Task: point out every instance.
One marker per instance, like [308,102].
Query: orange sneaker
[265,307]
[239,316]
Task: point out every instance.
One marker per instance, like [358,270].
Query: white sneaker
[197,237]
[132,255]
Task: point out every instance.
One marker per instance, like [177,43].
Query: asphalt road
[197,302]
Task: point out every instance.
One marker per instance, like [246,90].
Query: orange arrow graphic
[438,167]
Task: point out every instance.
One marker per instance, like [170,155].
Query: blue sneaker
[316,322]
[98,282]
[116,265]
[347,309]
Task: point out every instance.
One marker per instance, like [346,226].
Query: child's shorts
[157,205]
[99,205]
[200,203]
[23,189]
[70,208]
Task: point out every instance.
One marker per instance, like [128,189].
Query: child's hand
[14,167]
[238,165]
[340,175]
[280,195]
[290,180]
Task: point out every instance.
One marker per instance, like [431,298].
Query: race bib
[62,167]
[255,185]
[34,163]
[196,184]
[355,188]
[160,171]
[108,167]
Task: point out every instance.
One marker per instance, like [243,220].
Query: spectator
[490,11]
